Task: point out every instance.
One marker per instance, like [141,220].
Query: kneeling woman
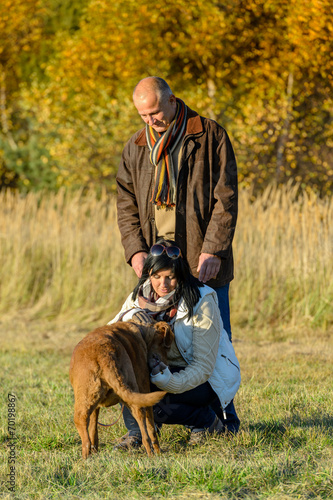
[203,369]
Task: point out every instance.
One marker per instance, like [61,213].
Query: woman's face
[163,282]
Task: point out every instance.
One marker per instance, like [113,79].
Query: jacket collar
[193,126]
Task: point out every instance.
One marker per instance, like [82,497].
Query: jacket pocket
[228,359]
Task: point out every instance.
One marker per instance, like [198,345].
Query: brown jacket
[206,206]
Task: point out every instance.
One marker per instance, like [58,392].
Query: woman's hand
[160,375]
[159,368]
[143,318]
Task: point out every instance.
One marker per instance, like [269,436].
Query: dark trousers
[231,420]
[196,408]
[191,408]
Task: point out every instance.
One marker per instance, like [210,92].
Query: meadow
[62,273]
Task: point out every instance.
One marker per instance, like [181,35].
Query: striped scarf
[161,146]
[159,308]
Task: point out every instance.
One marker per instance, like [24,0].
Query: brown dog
[110,365]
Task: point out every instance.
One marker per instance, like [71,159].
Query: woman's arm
[127,306]
[206,336]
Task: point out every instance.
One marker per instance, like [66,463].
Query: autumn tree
[261,68]
[28,30]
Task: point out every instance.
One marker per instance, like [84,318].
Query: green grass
[284,449]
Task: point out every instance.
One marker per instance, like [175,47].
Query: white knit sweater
[205,342]
[204,345]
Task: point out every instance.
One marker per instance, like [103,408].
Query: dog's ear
[165,330]
[168,337]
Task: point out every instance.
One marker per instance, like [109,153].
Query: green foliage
[31,164]
[28,34]
[263,69]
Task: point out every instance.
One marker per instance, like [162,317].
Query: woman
[203,369]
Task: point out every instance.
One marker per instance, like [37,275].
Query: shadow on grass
[268,429]
[275,431]
[322,421]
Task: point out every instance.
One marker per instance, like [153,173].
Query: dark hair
[187,285]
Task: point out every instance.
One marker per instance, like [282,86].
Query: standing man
[177,180]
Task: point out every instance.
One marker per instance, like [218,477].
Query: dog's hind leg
[85,416]
[140,416]
[81,420]
[93,430]
[152,430]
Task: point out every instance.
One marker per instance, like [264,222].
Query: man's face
[156,113]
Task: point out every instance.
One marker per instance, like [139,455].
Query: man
[178,180]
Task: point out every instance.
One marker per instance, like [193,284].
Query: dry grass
[284,265]
[61,257]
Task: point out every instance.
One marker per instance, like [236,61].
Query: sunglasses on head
[172,252]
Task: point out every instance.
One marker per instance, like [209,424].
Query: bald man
[177,180]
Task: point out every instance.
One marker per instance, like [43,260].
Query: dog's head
[159,338]
[165,333]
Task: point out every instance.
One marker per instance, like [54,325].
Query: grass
[61,256]
[62,272]
[284,449]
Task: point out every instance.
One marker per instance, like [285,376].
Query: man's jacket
[207,197]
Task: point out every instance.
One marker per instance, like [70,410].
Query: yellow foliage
[262,68]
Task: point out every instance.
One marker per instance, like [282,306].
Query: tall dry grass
[284,259]
[61,256]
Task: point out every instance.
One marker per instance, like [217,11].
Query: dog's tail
[142,399]
[129,396]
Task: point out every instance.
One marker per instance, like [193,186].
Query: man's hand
[138,261]
[208,267]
